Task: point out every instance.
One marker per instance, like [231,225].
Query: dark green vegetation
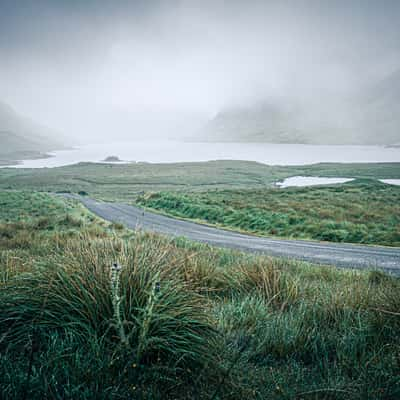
[180,320]
[362,212]
[125,182]
[33,207]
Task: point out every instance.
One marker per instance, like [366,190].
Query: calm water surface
[168,152]
[391,181]
[310,181]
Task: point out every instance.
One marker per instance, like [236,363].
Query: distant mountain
[21,137]
[370,117]
[379,111]
[278,121]
[263,122]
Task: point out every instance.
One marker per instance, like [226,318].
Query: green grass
[27,206]
[25,216]
[365,211]
[125,182]
[182,320]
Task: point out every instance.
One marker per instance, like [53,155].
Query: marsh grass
[268,281]
[193,322]
[358,212]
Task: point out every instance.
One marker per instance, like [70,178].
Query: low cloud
[130,69]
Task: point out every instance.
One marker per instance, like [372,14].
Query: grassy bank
[125,182]
[180,320]
[362,212]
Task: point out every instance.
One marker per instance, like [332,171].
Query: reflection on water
[267,153]
[310,181]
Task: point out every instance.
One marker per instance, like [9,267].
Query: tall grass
[358,212]
[73,294]
[181,320]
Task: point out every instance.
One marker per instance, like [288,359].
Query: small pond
[310,181]
[391,181]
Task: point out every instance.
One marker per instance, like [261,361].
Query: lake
[173,151]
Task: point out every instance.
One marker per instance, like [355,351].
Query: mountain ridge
[372,116]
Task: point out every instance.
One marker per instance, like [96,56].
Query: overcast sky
[88,67]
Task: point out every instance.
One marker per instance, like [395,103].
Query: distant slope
[20,137]
[265,122]
[279,122]
[370,117]
[379,111]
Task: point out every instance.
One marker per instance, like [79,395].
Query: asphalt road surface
[338,254]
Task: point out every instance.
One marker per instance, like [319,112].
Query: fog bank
[130,70]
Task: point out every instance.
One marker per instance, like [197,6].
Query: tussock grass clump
[271,283]
[162,318]
[14,235]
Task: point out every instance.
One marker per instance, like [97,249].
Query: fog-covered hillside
[19,136]
[379,112]
[370,116]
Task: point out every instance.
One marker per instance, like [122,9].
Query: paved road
[341,255]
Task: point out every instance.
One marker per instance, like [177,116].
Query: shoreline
[14,159]
[177,152]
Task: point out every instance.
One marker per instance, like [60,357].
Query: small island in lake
[112,159]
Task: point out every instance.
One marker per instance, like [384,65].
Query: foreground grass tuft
[179,320]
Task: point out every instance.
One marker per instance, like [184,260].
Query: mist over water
[175,151]
[101,71]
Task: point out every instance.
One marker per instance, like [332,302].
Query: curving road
[338,254]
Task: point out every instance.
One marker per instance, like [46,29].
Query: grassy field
[365,211]
[125,182]
[180,320]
